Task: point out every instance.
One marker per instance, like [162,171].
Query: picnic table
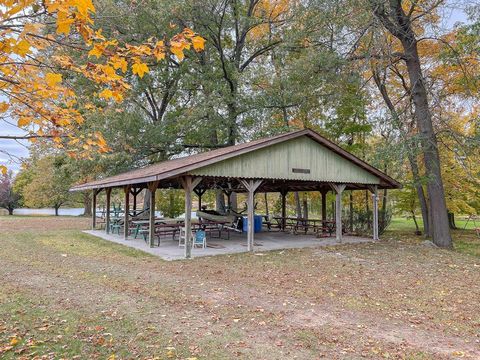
[296,225]
[166,227]
[141,227]
[115,224]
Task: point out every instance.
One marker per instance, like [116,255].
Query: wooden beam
[338,188]
[94,208]
[152,188]
[374,190]
[126,189]
[199,193]
[107,216]
[324,193]
[283,195]
[189,183]
[251,186]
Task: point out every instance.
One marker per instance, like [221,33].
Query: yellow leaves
[109,71]
[140,68]
[176,47]
[3,170]
[63,25]
[24,121]
[84,6]
[106,94]
[4,107]
[109,94]
[22,48]
[159,51]
[97,50]
[119,63]
[45,103]
[69,12]
[198,43]
[14,341]
[183,41]
[53,79]
[32,28]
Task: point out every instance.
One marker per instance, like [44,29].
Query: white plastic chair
[182,237]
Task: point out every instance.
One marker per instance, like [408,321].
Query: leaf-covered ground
[64,294]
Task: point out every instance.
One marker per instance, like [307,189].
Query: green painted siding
[277,162]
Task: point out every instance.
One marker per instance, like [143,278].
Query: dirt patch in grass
[67,294]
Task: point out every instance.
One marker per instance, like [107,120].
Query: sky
[11,152]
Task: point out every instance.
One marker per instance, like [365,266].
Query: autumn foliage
[33,69]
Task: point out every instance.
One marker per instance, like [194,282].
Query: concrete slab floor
[264,241]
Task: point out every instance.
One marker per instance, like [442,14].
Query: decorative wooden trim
[251,186]
[338,188]
[153,185]
[199,192]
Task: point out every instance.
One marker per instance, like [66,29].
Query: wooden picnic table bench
[299,225]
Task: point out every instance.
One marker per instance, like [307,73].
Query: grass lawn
[464,238]
[65,294]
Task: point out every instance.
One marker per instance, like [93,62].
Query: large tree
[9,198]
[51,179]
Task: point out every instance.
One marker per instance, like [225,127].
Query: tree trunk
[87,204]
[298,205]
[451,221]
[399,24]
[10,211]
[436,194]
[421,196]
[383,212]
[219,201]
[411,155]
[146,200]
[56,209]
[233,201]
[416,223]
[305,207]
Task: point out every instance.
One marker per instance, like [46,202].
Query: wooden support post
[283,194]
[94,208]
[374,190]
[338,188]
[107,216]
[324,193]
[251,186]
[126,189]
[135,203]
[189,183]
[152,188]
[135,192]
[199,193]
